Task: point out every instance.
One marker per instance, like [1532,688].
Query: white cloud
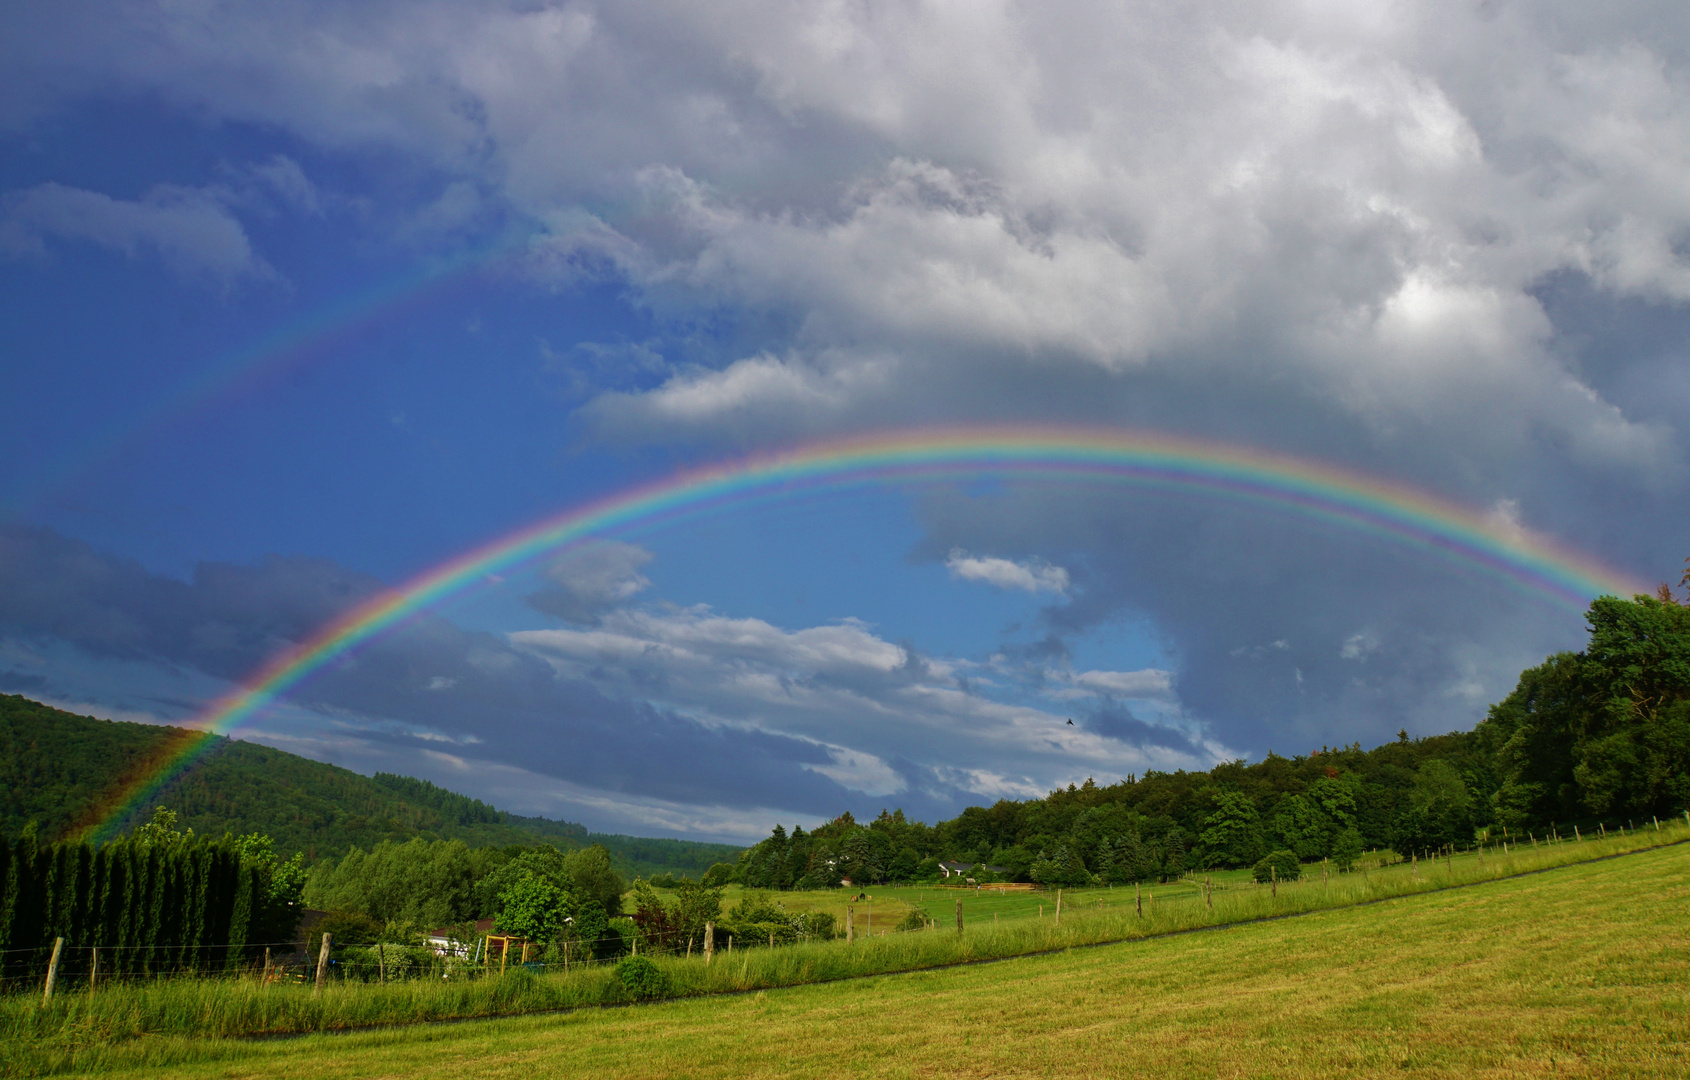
[865,699]
[1031,576]
[1146,684]
[190,229]
[1359,646]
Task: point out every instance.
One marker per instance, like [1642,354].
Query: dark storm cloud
[432,676]
[1289,635]
[1115,720]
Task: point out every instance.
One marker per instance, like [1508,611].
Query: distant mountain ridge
[55,764]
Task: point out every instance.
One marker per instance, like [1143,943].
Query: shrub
[346,928]
[915,919]
[1282,864]
[642,978]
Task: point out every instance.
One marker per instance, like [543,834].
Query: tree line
[1601,735]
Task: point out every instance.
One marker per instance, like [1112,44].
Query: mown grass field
[1579,971]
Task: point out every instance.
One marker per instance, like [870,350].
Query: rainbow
[1343,499]
[290,345]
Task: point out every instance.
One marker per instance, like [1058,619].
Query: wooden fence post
[1138,898]
[52,970]
[1059,907]
[709,942]
[959,914]
[266,965]
[322,964]
[850,924]
[1207,897]
[1414,860]
[381,963]
[94,970]
[1273,879]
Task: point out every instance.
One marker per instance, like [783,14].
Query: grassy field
[178,1022]
[1580,971]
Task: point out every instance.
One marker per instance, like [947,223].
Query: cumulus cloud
[590,578]
[1032,576]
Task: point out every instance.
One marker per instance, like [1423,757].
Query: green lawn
[1579,971]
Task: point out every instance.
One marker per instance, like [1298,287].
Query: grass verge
[157,1024]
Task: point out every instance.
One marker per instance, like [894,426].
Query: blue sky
[1437,244]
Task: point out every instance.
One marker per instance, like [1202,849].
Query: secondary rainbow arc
[1322,492]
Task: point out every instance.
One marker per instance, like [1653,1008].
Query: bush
[1281,864]
[345,928]
[643,978]
[915,919]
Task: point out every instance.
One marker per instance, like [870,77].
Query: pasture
[1576,971]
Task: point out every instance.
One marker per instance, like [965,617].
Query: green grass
[171,1024]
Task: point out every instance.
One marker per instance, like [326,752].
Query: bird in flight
[1070,723]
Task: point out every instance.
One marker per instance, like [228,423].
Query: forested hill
[55,765]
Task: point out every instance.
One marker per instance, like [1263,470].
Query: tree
[1278,865]
[1232,832]
[534,907]
[592,877]
[1347,848]
[696,904]
[1603,732]
[1060,867]
[282,902]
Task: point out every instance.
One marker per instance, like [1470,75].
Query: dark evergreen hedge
[150,910]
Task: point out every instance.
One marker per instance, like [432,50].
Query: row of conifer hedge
[149,909]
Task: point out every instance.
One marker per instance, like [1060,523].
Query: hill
[55,765]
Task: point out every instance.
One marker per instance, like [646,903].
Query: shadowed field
[1580,971]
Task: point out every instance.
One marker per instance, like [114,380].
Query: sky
[300,301]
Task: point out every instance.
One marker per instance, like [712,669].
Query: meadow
[1533,955]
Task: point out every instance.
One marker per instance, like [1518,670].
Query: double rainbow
[1337,497]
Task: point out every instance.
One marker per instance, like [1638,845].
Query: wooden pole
[771,939]
[322,964]
[1273,877]
[870,923]
[52,970]
[266,965]
[94,970]
[689,946]
[504,954]
[1059,907]
[1138,898]
[850,924]
[959,914]
[1414,861]
[709,942]
[381,962]
[1208,898]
